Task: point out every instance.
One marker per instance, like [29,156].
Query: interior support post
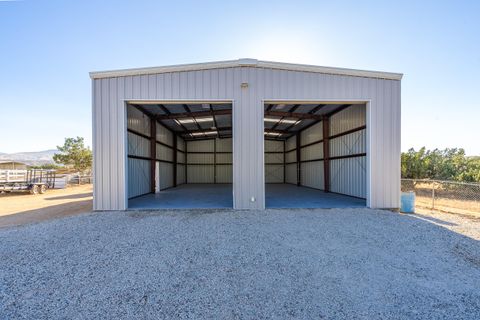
[175,164]
[153,153]
[326,153]
[284,162]
[299,164]
[215,160]
[185,143]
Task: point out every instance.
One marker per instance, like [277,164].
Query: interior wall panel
[224,158]
[312,175]
[274,173]
[353,143]
[347,119]
[291,173]
[138,121]
[312,152]
[138,177]
[180,174]
[348,176]
[200,174]
[312,134]
[164,153]
[164,135]
[290,143]
[224,174]
[138,146]
[291,156]
[165,175]
[224,145]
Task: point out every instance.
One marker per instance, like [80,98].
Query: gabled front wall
[109,124]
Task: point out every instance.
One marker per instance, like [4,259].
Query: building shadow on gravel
[46,213]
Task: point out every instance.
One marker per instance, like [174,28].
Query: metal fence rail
[455,197]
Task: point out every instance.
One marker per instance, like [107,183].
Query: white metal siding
[224,174]
[291,173]
[200,174]
[180,174]
[109,123]
[348,176]
[350,118]
[164,135]
[165,175]
[290,143]
[138,146]
[312,152]
[312,174]
[138,177]
[312,134]
[274,161]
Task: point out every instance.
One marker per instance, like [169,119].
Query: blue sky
[47,49]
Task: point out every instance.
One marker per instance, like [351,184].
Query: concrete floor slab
[292,196]
[212,196]
[187,196]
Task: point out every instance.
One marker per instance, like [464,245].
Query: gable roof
[246,63]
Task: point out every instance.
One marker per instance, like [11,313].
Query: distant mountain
[30,158]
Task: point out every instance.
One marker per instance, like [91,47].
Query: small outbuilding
[245,134]
[12,165]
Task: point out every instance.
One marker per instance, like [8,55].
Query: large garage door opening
[179,155]
[315,155]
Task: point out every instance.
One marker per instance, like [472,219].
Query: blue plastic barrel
[408,202]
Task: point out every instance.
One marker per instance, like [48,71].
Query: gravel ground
[275,264]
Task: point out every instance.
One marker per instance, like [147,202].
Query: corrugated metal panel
[291,156]
[224,174]
[291,173]
[273,173]
[273,146]
[200,158]
[350,118]
[353,143]
[138,121]
[138,146]
[348,176]
[273,157]
[224,157]
[312,152]
[180,174]
[180,157]
[224,145]
[164,135]
[200,174]
[312,174]
[109,123]
[200,146]
[164,153]
[180,144]
[165,175]
[312,134]
[291,143]
[138,177]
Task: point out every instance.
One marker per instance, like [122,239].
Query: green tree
[448,164]
[74,154]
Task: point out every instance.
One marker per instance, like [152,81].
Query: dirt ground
[22,208]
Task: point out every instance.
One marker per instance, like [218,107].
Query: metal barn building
[245,134]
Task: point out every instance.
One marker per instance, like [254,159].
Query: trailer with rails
[33,181]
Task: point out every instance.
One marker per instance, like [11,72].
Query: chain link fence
[448,196]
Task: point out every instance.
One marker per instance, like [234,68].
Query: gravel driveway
[279,264]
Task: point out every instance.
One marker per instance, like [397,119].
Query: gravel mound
[224,264]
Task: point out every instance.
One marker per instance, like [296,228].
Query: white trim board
[245,63]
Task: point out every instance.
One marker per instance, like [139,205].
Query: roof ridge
[246,62]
